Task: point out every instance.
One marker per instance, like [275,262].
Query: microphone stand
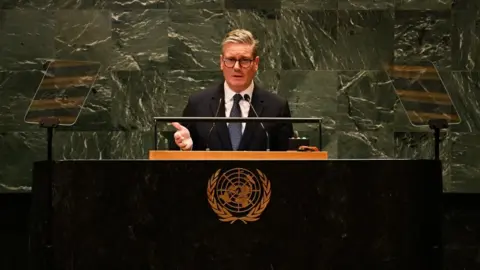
[247,98]
[207,148]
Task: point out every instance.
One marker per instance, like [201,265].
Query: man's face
[238,65]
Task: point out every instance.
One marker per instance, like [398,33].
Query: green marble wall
[325,56]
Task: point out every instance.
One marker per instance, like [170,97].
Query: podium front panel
[330,214]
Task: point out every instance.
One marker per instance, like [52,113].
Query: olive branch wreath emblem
[224,214]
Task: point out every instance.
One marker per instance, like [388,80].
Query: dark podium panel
[338,214]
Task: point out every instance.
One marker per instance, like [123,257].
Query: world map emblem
[238,194]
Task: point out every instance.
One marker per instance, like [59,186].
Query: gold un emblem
[238,194]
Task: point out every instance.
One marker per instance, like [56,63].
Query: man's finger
[178,126]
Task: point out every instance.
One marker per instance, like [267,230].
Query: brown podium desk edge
[236,155]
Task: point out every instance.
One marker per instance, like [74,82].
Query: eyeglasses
[230,62]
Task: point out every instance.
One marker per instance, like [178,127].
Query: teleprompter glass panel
[62,92]
[422,93]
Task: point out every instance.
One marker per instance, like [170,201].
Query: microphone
[247,98]
[213,125]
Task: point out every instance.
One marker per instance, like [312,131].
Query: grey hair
[241,36]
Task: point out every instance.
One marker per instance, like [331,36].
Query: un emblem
[238,194]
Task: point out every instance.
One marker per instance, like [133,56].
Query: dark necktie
[236,127]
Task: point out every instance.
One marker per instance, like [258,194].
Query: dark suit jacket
[266,104]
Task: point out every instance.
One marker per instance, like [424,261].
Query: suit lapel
[220,127]
[257,103]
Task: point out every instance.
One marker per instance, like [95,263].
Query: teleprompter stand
[437,125]
[425,98]
[58,101]
[49,123]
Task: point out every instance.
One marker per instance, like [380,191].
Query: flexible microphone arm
[247,98]
[213,125]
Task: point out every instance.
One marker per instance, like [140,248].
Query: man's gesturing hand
[182,137]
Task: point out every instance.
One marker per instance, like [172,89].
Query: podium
[238,210]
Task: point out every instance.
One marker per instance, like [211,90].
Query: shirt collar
[229,93]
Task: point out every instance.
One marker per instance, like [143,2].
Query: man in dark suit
[232,98]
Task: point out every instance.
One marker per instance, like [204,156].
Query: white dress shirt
[244,105]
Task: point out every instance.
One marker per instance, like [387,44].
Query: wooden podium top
[236,155]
